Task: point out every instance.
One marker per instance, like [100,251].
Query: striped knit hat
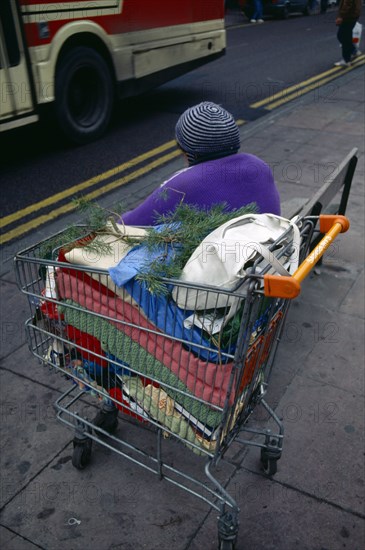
[207,131]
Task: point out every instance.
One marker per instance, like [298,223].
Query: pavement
[316,499]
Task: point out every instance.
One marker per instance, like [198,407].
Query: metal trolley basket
[144,365]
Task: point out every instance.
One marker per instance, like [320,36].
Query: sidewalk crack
[33,477]
[22,537]
[5,369]
[303,492]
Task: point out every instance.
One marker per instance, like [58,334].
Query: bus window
[16,97]
[8,31]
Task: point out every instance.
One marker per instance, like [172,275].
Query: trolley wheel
[227,530]
[84,94]
[107,420]
[269,462]
[82,453]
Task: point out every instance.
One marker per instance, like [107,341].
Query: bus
[80,55]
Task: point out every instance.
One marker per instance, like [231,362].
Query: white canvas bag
[224,255]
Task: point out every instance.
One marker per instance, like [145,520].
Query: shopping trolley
[137,357]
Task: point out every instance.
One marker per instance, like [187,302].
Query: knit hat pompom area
[207,131]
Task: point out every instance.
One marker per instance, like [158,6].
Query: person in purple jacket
[217,173]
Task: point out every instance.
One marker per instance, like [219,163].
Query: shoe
[355,55]
[253,21]
[260,20]
[342,63]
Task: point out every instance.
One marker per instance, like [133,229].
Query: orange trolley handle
[279,286]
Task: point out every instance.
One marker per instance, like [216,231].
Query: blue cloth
[160,309]
[138,259]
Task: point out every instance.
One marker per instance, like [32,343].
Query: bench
[338,183]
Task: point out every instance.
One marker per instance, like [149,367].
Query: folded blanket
[205,380]
[131,390]
[89,343]
[120,345]
[159,310]
[99,281]
[157,404]
[168,317]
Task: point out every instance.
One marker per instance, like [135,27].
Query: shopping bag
[223,258]
[356,35]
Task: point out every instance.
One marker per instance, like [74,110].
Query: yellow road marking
[307,89]
[11,218]
[292,88]
[33,224]
[335,71]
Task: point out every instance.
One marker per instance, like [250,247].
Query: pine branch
[179,233]
[183,231]
[94,223]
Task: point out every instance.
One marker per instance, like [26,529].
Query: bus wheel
[84,94]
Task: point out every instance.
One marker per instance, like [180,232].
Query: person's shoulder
[249,158]
[180,174]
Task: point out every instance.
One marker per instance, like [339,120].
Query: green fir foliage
[93,220]
[183,231]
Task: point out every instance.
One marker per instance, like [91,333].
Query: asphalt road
[261,61]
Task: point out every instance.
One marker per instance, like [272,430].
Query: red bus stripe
[148,18]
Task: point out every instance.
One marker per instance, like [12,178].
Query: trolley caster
[82,452]
[270,454]
[107,420]
[227,531]
[269,461]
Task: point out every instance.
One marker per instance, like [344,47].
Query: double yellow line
[292,92]
[164,153]
[88,184]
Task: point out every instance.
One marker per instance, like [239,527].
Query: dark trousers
[324,6]
[344,36]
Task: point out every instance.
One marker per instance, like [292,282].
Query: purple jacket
[237,180]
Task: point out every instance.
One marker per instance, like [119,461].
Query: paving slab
[351,304]
[272,132]
[5,536]
[10,541]
[317,118]
[323,447]
[332,285]
[277,516]
[350,124]
[14,311]
[346,253]
[112,500]
[310,173]
[29,435]
[326,351]
[337,357]
[355,212]
[357,187]
[325,161]
[23,363]
[255,144]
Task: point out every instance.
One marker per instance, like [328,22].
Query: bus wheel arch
[84,89]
